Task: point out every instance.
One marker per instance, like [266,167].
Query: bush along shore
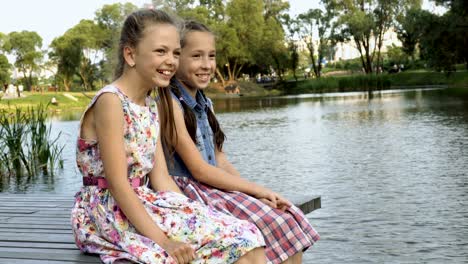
[28,147]
[373,82]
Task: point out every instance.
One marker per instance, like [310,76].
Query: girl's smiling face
[197,60]
[156,55]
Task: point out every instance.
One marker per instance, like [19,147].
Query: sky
[51,18]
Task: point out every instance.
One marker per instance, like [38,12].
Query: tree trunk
[359,47]
[221,77]
[310,46]
[236,74]
[66,85]
[229,71]
[83,78]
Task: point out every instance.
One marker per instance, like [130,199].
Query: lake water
[391,169]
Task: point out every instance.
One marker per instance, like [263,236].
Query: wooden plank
[37,230]
[27,237]
[75,256]
[36,220]
[37,245]
[33,261]
[19,226]
[29,205]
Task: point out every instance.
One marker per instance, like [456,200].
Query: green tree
[25,46]
[438,44]
[293,28]
[316,22]
[246,19]
[89,36]
[3,39]
[248,33]
[396,55]
[110,19]
[457,21]
[5,66]
[66,54]
[366,21]
[5,71]
[272,50]
[410,29]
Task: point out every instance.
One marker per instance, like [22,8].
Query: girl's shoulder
[108,89]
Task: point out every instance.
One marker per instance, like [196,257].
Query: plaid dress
[285,233]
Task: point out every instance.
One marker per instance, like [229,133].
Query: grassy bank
[248,89]
[66,100]
[75,101]
[376,82]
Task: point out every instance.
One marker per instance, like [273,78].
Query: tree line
[253,36]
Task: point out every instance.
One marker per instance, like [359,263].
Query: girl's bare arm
[159,176]
[109,125]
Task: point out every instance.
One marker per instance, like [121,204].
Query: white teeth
[204,77]
[165,72]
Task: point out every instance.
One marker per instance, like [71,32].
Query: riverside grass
[64,99]
[27,145]
[372,82]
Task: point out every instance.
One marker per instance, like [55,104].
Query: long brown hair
[190,120]
[131,34]
[133,29]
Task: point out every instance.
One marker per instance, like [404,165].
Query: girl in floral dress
[115,214]
[201,169]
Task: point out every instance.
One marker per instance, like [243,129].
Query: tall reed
[27,144]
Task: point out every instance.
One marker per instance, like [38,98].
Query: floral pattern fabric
[100,227]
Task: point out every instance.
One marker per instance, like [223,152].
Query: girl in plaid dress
[116,215]
[200,167]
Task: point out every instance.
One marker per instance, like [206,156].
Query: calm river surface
[392,169]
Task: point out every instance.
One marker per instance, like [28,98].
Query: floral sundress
[100,227]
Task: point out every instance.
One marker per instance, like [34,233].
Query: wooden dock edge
[307,203]
[35,228]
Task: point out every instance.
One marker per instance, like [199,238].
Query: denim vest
[205,142]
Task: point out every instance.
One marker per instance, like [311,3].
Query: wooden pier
[35,228]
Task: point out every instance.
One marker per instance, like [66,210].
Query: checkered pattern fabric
[285,233]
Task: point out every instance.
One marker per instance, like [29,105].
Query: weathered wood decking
[35,229]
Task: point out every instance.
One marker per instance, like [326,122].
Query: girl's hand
[273,199]
[181,252]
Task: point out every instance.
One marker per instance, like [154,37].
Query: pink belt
[101,182]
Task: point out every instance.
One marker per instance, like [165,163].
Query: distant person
[115,214]
[200,167]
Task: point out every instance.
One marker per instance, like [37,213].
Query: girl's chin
[202,85]
[162,83]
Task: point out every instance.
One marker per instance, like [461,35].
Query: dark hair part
[191,121]
[191,26]
[133,29]
[189,116]
[166,120]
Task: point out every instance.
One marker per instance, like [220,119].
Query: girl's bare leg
[254,256]
[294,259]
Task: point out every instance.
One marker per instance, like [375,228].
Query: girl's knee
[256,255]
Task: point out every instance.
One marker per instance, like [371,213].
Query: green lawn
[65,100]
